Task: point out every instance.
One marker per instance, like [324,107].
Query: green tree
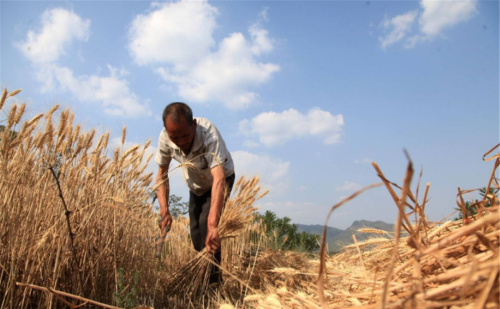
[284,235]
[13,134]
[175,205]
[472,207]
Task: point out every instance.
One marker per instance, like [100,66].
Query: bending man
[197,141]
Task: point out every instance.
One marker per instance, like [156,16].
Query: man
[210,172]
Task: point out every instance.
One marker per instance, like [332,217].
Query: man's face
[181,134]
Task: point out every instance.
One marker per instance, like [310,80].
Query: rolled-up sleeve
[163,152]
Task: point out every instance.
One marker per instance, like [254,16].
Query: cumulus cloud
[348,186]
[414,40]
[278,128]
[260,38]
[59,28]
[174,32]
[273,172]
[183,56]
[435,18]
[439,15]
[399,27]
[112,91]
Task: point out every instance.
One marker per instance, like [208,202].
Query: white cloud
[260,38]
[183,57]
[112,91]
[225,75]
[362,161]
[274,173]
[348,186]
[278,128]
[264,14]
[250,144]
[174,32]
[400,26]
[414,40]
[59,27]
[439,15]
[435,18]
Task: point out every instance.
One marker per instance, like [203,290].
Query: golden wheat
[436,264]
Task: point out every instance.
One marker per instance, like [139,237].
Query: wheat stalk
[372,231]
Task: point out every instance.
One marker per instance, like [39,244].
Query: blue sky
[305,93]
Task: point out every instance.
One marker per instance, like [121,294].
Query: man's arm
[212,242]
[163,192]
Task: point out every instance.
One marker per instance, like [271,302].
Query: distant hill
[337,238]
[318,229]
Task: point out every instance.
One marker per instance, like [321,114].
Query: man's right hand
[166,220]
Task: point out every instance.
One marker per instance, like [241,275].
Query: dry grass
[422,264]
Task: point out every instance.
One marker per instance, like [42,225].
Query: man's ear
[194,124]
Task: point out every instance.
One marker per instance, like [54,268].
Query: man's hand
[212,243]
[166,220]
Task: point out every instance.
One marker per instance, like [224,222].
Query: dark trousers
[199,208]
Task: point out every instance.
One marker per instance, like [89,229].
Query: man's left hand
[212,243]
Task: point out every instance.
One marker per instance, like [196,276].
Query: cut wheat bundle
[236,216]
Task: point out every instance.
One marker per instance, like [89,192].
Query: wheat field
[77,229]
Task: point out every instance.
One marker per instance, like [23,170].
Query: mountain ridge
[336,238]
